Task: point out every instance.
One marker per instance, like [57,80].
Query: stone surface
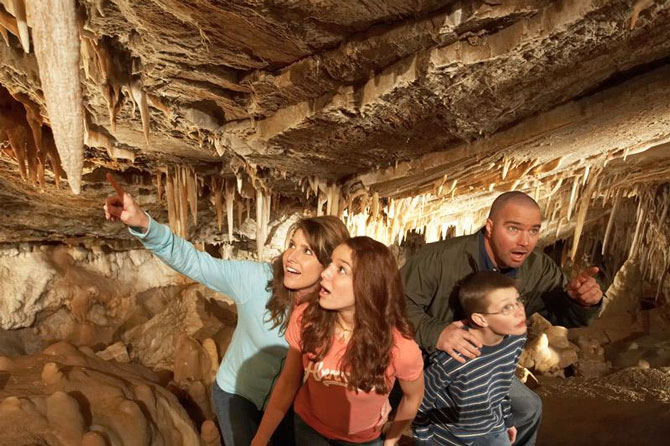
[65,397]
[307,102]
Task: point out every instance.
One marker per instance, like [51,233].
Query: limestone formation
[547,351]
[81,399]
[228,121]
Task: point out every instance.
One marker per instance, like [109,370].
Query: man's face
[512,234]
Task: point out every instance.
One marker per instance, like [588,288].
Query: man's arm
[423,280]
[421,277]
[569,304]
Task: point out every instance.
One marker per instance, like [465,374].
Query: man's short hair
[476,287]
[516,197]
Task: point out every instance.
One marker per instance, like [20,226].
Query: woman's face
[301,266]
[337,281]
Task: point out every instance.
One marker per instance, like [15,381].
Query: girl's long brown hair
[323,234]
[379,308]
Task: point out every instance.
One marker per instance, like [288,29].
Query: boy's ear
[479,319]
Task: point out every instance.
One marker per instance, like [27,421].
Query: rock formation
[229,120]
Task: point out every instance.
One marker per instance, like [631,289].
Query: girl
[265,295]
[346,348]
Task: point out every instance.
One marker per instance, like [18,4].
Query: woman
[265,295]
[346,350]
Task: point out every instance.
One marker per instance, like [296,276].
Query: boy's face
[506,314]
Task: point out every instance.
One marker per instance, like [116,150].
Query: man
[505,244]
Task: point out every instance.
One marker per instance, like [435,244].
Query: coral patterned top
[324,402]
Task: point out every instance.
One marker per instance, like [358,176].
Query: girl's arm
[411,400]
[282,397]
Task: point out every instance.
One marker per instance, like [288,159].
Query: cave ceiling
[417,109]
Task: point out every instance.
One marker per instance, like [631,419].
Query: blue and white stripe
[467,400]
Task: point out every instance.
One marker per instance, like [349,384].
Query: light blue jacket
[256,352]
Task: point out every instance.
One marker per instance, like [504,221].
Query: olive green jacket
[432,274]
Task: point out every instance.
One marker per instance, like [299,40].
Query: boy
[468,404]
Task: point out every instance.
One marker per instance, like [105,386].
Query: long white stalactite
[56,40]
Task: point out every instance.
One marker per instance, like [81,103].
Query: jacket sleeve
[421,277]
[553,301]
[236,279]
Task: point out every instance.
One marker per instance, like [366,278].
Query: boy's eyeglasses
[509,308]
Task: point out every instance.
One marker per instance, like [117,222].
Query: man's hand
[511,433]
[584,288]
[454,340]
[122,207]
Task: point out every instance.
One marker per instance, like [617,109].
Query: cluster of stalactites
[648,239]
[24,139]
[181,196]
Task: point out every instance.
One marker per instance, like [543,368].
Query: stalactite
[229,194]
[333,200]
[240,213]
[170,198]
[3,33]
[139,97]
[159,186]
[321,199]
[641,214]
[191,178]
[183,200]
[505,169]
[24,34]
[573,196]
[581,214]
[267,206]
[216,187]
[374,213]
[56,39]
[610,221]
[260,240]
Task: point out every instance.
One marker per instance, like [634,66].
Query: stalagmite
[65,418]
[210,348]
[56,39]
[610,221]
[210,434]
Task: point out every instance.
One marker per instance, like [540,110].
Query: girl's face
[337,281]
[301,266]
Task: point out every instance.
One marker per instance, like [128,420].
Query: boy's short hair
[477,286]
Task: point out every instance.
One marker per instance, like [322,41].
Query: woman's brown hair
[323,234]
[379,308]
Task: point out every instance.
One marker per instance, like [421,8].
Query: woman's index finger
[119,190]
